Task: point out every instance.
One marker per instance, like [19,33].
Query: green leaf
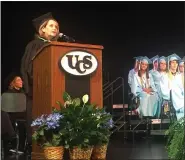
[86,140]
[41,132]
[47,144]
[66,96]
[34,136]
[59,103]
[66,146]
[76,102]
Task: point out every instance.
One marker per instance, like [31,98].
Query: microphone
[66,38]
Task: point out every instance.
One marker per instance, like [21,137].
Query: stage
[150,149]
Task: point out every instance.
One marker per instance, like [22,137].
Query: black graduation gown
[27,75]
[27,65]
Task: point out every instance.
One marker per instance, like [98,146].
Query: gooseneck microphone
[66,38]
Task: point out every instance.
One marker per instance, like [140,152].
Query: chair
[14,103]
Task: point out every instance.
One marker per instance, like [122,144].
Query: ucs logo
[79,63]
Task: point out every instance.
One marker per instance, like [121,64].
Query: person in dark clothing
[47,30]
[7,129]
[7,132]
[13,84]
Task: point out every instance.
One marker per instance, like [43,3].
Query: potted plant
[175,142]
[84,122]
[49,133]
[101,139]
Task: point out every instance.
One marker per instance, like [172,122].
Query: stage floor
[152,148]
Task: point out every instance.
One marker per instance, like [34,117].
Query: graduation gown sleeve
[27,65]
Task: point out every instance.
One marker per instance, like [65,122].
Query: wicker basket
[99,152]
[54,152]
[80,153]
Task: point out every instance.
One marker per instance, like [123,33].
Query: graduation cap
[146,60]
[138,58]
[10,78]
[162,59]
[37,22]
[181,61]
[173,57]
[154,59]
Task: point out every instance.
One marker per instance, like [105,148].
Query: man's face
[173,65]
[162,66]
[155,64]
[181,68]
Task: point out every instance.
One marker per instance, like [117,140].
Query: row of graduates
[164,82]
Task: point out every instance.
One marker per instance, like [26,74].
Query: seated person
[172,81]
[14,84]
[181,69]
[7,131]
[143,87]
[134,70]
[156,78]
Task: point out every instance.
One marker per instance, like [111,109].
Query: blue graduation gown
[157,76]
[131,74]
[174,83]
[148,102]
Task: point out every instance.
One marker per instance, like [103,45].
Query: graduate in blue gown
[134,70]
[159,69]
[172,82]
[143,86]
[154,61]
[181,69]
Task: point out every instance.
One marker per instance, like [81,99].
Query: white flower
[98,117]
[85,98]
[67,103]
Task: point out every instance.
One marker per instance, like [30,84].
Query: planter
[80,153]
[99,152]
[54,152]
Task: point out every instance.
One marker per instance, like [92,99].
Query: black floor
[152,148]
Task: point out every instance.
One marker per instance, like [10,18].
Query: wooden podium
[50,80]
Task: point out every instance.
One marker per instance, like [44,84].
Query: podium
[70,67]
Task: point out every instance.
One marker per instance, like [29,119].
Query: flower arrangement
[49,130]
[87,124]
[76,124]
[175,141]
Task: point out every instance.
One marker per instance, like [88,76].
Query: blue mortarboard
[181,61]
[138,58]
[162,58]
[155,58]
[174,57]
[146,60]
